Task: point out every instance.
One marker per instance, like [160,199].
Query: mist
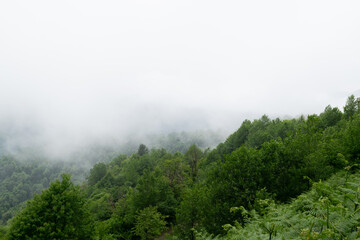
[77,73]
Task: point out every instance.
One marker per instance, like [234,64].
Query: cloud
[89,70]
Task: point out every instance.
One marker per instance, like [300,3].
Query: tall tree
[351,107]
[193,155]
[142,150]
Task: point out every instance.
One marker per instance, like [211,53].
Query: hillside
[26,172]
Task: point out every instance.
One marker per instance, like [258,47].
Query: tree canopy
[57,213]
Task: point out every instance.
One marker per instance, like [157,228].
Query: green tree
[233,183]
[149,223]
[236,139]
[258,133]
[153,190]
[57,213]
[193,211]
[174,171]
[193,156]
[3,231]
[352,139]
[142,150]
[351,107]
[330,116]
[97,173]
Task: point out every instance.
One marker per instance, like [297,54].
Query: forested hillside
[30,171]
[235,191]
[330,210]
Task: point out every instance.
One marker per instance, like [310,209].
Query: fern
[328,211]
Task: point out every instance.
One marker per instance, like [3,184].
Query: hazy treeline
[203,193]
[28,171]
[22,144]
[176,141]
[20,180]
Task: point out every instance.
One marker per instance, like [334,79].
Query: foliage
[97,173]
[20,180]
[149,223]
[233,183]
[193,155]
[192,211]
[328,211]
[3,232]
[57,213]
[352,139]
[142,150]
[330,116]
[352,107]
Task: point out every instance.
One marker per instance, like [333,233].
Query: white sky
[105,67]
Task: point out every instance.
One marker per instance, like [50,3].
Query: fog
[78,72]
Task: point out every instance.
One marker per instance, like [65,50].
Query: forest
[271,179]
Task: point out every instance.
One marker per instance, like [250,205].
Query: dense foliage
[330,210]
[57,213]
[239,186]
[20,180]
[29,172]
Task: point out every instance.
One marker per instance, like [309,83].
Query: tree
[352,139]
[153,190]
[97,173]
[142,150]
[258,133]
[193,155]
[193,211]
[351,107]
[149,223]
[330,116]
[174,170]
[57,213]
[235,182]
